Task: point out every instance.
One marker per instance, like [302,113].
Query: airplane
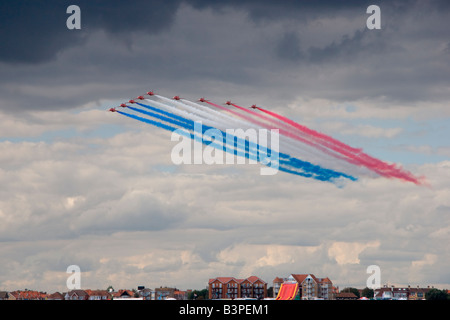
[228,103]
[254,106]
[112,109]
[140,98]
[202,100]
[132,101]
[150,93]
[123,105]
[177,98]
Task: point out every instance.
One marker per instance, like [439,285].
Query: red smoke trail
[282,131]
[355,156]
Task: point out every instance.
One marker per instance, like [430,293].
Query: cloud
[103,203]
[198,48]
[86,187]
[25,25]
[348,252]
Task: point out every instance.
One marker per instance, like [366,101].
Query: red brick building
[232,288]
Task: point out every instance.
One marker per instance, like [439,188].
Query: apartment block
[232,288]
[310,286]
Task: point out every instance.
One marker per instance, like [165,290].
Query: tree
[436,294]
[352,290]
[135,293]
[367,292]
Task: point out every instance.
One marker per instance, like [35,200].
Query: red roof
[253,279]
[224,280]
[278,280]
[29,295]
[301,277]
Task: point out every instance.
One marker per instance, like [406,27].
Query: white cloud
[348,252]
[110,210]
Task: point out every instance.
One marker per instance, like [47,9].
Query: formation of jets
[151,93]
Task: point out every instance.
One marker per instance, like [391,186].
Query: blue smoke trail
[189,124]
[294,162]
[286,163]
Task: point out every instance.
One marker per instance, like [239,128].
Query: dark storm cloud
[260,10]
[267,49]
[35,31]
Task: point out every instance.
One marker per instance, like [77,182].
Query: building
[232,288]
[310,287]
[346,296]
[253,287]
[122,294]
[400,293]
[276,284]
[3,295]
[325,288]
[26,295]
[181,295]
[417,293]
[76,295]
[98,294]
[145,293]
[55,296]
[163,293]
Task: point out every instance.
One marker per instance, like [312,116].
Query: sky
[83,186]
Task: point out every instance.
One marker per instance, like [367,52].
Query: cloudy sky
[83,186]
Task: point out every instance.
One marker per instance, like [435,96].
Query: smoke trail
[354,155]
[287,163]
[250,122]
[299,140]
[283,132]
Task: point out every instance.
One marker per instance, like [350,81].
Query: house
[3,295]
[180,295]
[163,293]
[13,295]
[122,294]
[384,293]
[325,288]
[400,293]
[145,293]
[253,287]
[276,284]
[310,287]
[76,295]
[55,296]
[98,294]
[346,296]
[223,287]
[417,293]
[27,295]
[232,288]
